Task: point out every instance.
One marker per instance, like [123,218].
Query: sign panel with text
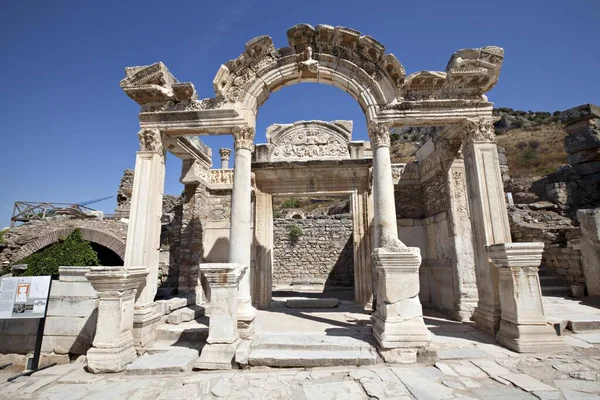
[24,297]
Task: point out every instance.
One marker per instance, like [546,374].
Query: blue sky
[67,131]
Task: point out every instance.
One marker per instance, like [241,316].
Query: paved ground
[470,365]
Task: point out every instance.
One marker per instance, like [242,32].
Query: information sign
[24,297]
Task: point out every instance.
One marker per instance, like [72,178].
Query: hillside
[533,141]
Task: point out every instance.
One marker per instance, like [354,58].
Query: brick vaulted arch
[30,238]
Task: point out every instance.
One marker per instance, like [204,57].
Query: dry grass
[534,151]
[403,151]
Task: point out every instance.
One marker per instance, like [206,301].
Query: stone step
[192,331]
[556,291]
[310,342]
[186,314]
[163,346]
[169,362]
[312,358]
[307,302]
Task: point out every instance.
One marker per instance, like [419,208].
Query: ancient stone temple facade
[435,231]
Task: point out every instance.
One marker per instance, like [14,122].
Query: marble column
[223,337]
[398,324]
[589,221]
[225,154]
[113,347]
[240,236]
[489,217]
[523,325]
[384,219]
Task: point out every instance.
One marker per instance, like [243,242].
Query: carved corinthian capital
[379,134]
[479,130]
[243,137]
[150,140]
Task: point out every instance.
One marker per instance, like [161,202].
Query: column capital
[225,153]
[479,130]
[151,140]
[243,137]
[519,255]
[379,134]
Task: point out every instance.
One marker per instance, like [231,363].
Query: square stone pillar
[523,327]
[263,242]
[223,337]
[489,217]
[589,221]
[398,324]
[113,345]
[143,233]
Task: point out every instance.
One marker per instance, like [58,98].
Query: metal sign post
[27,297]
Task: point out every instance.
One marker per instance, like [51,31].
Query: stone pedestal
[240,237]
[223,336]
[398,319]
[113,345]
[589,221]
[225,154]
[523,325]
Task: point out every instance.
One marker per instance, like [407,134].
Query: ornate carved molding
[243,137]
[379,134]
[151,140]
[477,130]
[310,143]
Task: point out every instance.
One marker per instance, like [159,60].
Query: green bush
[72,250]
[2,235]
[277,214]
[294,232]
[291,203]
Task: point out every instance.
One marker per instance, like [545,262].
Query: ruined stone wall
[409,201]
[323,253]
[562,240]
[124,194]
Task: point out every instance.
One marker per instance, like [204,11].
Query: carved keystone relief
[307,140]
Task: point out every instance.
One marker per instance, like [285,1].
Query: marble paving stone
[341,390]
[502,393]
[589,337]
[527,383]
[491,368]
[461,353]
[571,340]
[169,362]
[577,385]
[182,392]
[430,391]
[445,368]
[547,395]
[575,395]
[469,371]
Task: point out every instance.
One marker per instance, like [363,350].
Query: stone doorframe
[315,178]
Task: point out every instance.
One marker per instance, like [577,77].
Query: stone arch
[336,56]
[100,237]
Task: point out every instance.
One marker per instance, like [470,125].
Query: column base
[145,320]
[110,359]
[487,319]
[411,333]
[218,356]
[529,338]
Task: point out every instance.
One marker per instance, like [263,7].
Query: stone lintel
[582,112]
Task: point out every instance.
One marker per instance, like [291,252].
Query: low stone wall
[70,322]
[323,253]
[562,240]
